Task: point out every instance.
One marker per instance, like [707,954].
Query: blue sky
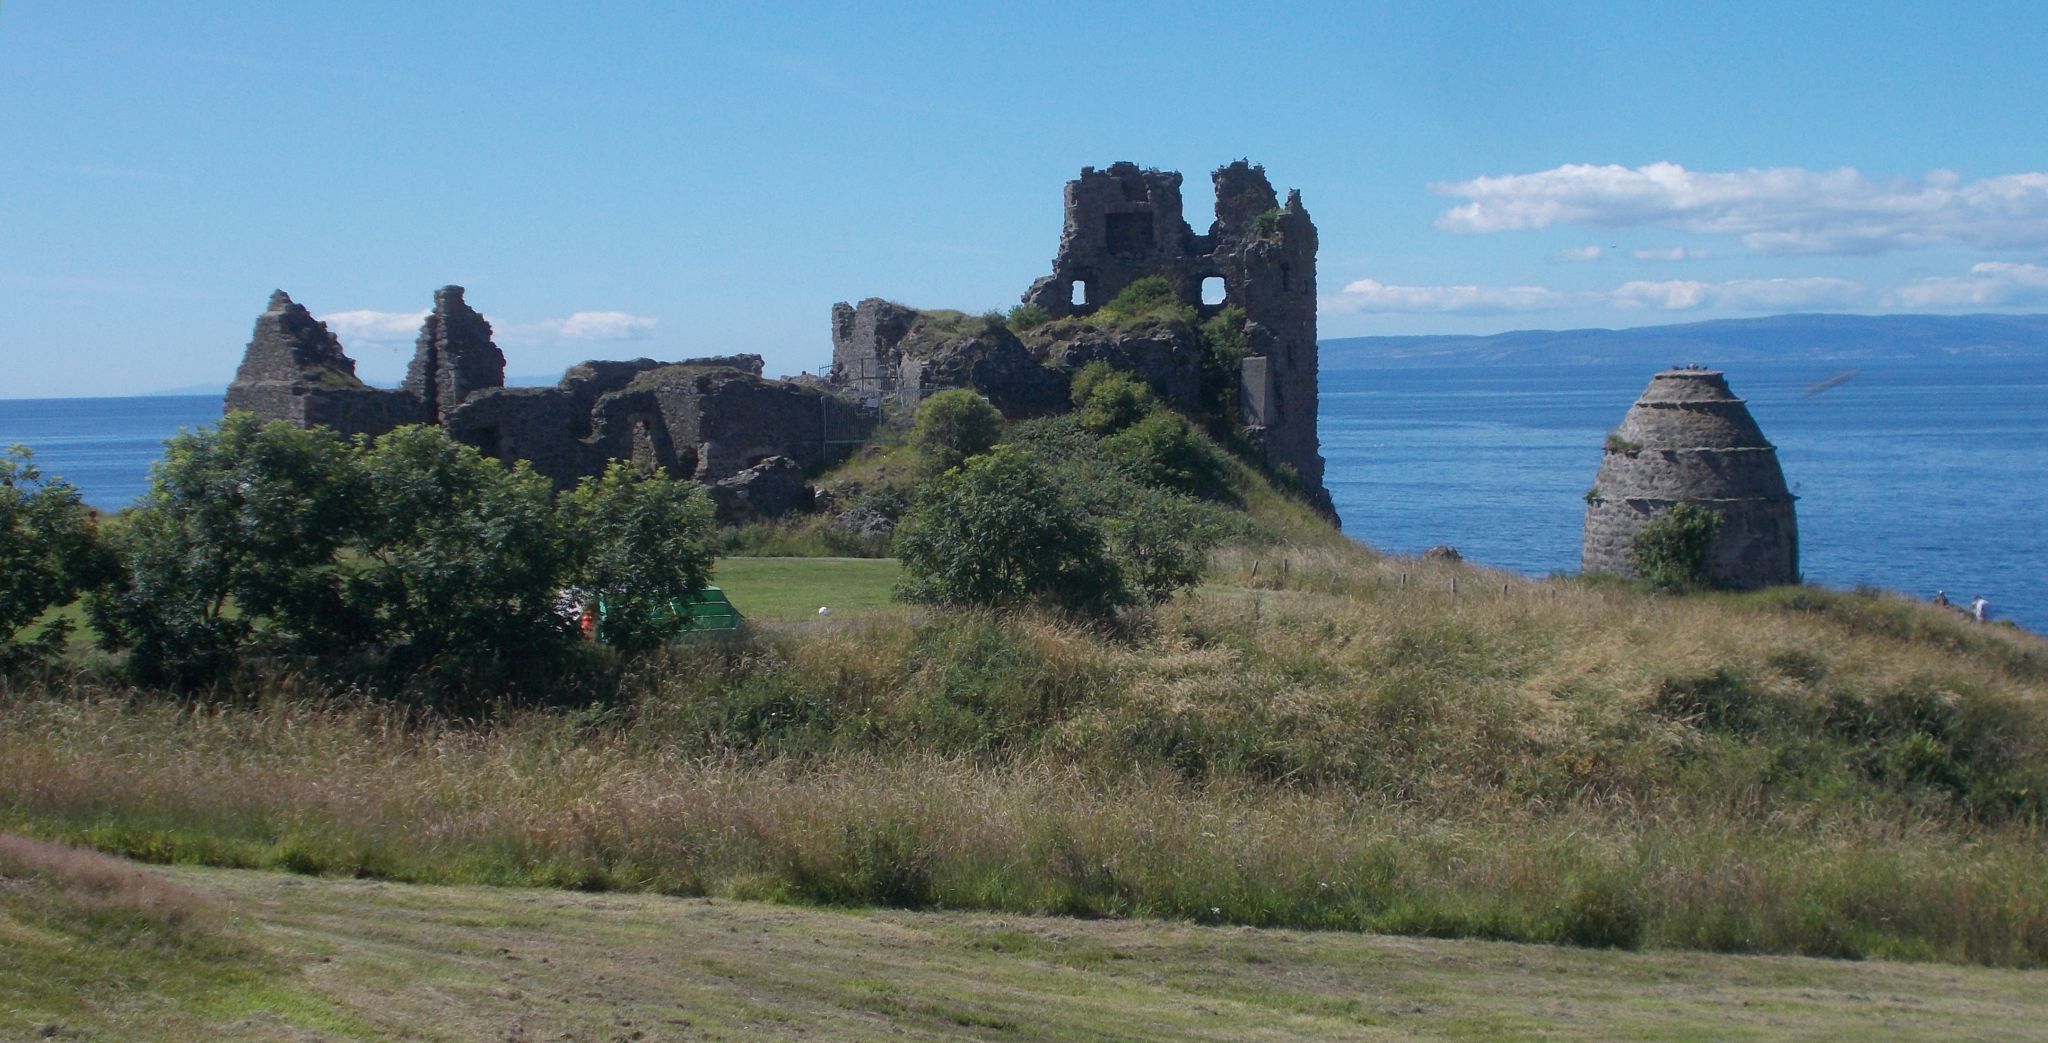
[615,180]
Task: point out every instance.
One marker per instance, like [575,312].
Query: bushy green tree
[1161,541]
[1671,550]
[954,425]
[462,557]
[1000,530]
[48,555]
[240,527]
[643,542]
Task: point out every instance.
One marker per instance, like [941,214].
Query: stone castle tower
[1125,223]
[1688,438]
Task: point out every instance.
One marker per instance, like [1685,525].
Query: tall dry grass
[1337,742]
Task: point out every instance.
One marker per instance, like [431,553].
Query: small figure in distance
[1941,598]
[1980,609]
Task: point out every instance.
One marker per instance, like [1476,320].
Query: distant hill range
[1848,338]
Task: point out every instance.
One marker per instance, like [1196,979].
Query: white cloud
[1738,294]
[377,327]
[604,325]
[1578,254]
[1372,297]
[1668,253]
[1784,210]
[1992,284]
[367,326]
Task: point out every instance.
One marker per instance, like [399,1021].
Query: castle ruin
[714,420]
[1123,224]
[751,439]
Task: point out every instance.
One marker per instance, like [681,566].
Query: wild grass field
[100,949]
[1337,742]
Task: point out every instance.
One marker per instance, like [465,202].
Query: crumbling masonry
[1124,224]
[751,439]
[715,420]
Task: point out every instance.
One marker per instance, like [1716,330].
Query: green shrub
[1671,550]
[1113,400]
[644,543]
[49,554]
[955,425]
[1164,450]
[1026,316]
[1224,344]
[1150,299]
[1000,531]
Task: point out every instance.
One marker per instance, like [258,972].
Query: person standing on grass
[1980,609]
[1941,598]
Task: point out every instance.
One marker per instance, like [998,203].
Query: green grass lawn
[272,956]
[788,589]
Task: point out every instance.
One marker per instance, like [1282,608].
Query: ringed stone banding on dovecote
[1689,439]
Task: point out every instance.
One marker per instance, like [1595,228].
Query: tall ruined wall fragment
[454,357]
[1689,439]
[295,369]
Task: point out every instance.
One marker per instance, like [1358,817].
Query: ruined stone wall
[1124,223]
[884,351]
[295,369]
[454,357]
[1689,439]
[712,419]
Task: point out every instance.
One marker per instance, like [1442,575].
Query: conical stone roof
[1689,439]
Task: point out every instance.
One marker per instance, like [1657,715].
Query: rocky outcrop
[1689,439]
[770,489]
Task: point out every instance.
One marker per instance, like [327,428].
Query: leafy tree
[643,542]
[462,556]
[954,425]
[240,525]
[999,530]
[1671,550]
[48,555]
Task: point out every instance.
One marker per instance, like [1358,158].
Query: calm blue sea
[1912,476]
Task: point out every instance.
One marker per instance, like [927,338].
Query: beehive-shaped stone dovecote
[1688,438]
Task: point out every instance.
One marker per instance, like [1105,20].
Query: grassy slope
[326,959]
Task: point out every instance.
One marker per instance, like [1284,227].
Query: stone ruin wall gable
[454,356]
